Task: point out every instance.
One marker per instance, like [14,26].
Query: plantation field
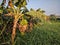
[46,34]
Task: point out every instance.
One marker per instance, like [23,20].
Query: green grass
[46,34]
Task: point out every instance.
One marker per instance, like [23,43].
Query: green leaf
[20,3]
[15,1]
[24,3]
[1,21]
[23,22]
[1,11]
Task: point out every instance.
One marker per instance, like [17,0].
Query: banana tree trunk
[14,30]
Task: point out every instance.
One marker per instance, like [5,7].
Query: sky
[50,6]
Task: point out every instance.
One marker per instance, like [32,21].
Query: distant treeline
[54,17]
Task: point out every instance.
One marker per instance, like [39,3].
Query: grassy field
[46,34]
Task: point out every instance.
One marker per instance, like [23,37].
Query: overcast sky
[50,6]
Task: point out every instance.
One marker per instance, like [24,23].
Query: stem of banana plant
[14,30]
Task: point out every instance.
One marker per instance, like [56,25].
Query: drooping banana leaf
[1,9]
[20,3]
[1,21]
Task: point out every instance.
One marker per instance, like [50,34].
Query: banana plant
[37,14]
[14,7]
